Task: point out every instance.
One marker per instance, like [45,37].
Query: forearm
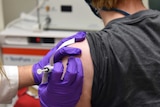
[25,76]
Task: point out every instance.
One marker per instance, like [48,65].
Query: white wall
[145,3]
[13,8]
[1,16]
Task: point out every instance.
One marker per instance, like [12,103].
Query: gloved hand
[80,36]
[66,92]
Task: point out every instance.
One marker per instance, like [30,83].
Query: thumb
[55,75]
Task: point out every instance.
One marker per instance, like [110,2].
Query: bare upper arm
[88,73]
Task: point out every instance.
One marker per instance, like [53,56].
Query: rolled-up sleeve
[9,85]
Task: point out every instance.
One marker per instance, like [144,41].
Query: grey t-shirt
[126,58]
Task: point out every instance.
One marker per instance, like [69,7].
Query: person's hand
[64,92]
[80,36]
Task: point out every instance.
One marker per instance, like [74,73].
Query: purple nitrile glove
[65,51]
[80,36]
[62,93]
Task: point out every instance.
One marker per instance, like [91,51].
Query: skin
[88,76]
[25,76]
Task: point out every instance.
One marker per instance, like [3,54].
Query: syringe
[45,71]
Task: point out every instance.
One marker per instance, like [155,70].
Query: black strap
[117,10]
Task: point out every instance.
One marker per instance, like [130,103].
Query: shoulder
[88,72]
[85,55]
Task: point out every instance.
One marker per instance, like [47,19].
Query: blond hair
[1,69]
[2,73]
[104,3]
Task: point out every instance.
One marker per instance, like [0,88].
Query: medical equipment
[47,69]
[21,47]
[69,15]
